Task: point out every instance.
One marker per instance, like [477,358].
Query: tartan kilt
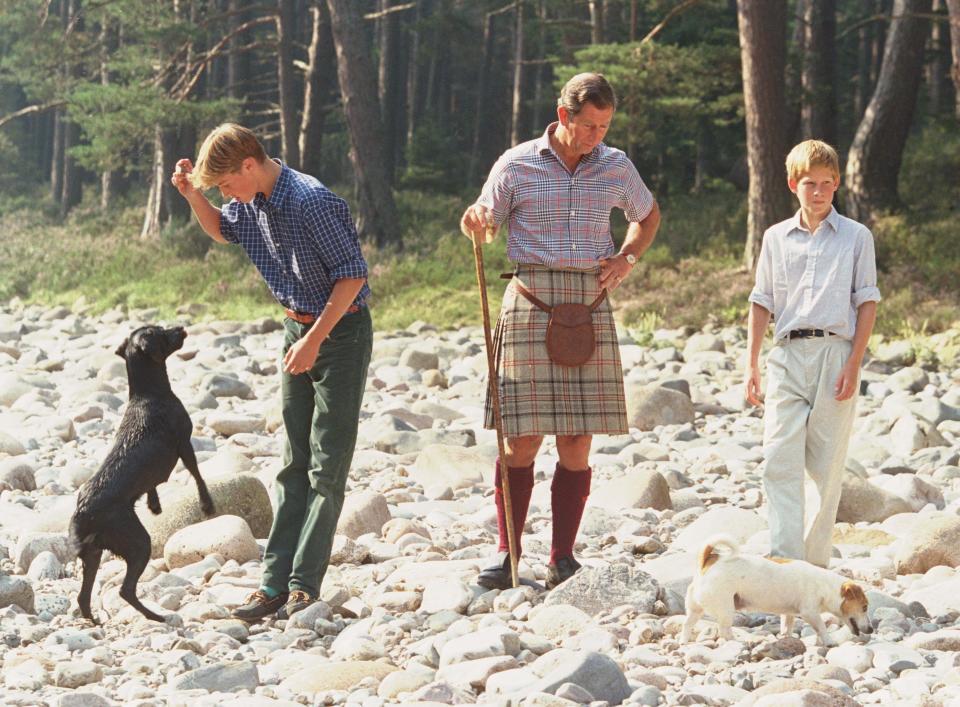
[538,397]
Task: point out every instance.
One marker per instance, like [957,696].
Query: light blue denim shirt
[816,280]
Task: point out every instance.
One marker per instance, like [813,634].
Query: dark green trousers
[321,411]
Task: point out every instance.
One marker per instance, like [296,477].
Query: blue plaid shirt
[301,239]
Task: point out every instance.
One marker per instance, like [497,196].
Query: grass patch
[691,277]
[105,262]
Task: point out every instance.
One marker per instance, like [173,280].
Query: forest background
[402,106]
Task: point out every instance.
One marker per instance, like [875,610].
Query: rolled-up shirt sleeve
[636,200]
[497,192]
[762,292]
[327,220]
[864,271]
[230,214]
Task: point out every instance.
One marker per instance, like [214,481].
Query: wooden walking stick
[495,399]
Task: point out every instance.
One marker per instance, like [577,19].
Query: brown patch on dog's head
[854,607]
[707,558]
[780,560]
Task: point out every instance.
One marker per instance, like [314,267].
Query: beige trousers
[805,430]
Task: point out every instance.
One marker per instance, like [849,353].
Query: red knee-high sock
[521,486]
[568,495]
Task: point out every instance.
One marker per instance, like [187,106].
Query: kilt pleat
[538,397]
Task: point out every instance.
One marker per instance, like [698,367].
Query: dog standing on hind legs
[727,581]
[153,434]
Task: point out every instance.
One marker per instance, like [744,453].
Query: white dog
[727,582]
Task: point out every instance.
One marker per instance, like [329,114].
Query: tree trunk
[108,178]
[388,84]
[873,163]
[377,213]
[238,63]
[517,75]
[319,83]
[72,174]
[289,127]
[482,97]
[633,20]
[933,71]
[413,75]
[793,93]
[538,79]
[56,160]
[861,90]
[153,213]
[763,29]
[953,8]
[596,21]
[818,113]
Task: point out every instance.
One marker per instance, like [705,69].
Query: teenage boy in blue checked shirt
[300,237]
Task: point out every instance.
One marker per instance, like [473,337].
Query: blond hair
[809,154]
[223,151]
[587,88]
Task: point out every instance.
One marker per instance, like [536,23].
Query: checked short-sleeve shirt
[301,239]
[558,218]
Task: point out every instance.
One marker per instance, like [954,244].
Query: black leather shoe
[259,605]
[497,576]
[558,573]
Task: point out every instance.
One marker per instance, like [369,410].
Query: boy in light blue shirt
[817,278]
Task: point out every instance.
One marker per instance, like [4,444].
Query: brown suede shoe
[259,605]
[298,601]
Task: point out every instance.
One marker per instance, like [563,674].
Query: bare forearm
[342,296]
[756,330]
[866,317]
[640,235]
[207,214]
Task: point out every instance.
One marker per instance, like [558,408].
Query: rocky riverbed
[400,619]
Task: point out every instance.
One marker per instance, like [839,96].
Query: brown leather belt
[307,318]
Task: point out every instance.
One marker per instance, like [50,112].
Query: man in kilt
[556,194]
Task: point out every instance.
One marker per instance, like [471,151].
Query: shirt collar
[544,146]
[279,192]
[833,218]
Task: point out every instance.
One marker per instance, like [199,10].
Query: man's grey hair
[587,88]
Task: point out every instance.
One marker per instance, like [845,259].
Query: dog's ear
[852,591]
[122,349]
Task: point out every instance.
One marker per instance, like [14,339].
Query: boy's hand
[751,383]
[477,223]
[301,356]
[848,381]
[181,177]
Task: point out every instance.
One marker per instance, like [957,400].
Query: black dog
[153,434]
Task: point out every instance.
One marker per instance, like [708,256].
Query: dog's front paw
[153,501]
[206,505]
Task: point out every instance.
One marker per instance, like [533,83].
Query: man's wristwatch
[630,258]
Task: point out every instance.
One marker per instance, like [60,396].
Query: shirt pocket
[838,271]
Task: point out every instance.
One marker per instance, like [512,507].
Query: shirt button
[574,247]
[573,213]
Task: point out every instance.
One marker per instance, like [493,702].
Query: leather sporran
[570,335]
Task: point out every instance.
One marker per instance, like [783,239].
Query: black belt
[809,333]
